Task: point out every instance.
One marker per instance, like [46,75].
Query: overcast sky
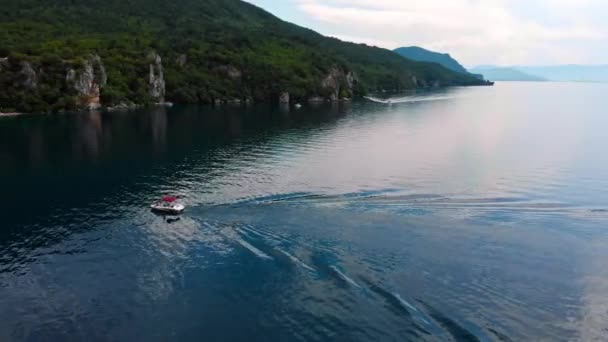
[500,32]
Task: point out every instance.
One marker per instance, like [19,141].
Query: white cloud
[475,31]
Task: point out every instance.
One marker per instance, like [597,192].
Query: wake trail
[296,260]
[408,99]
[344,277]
[233,234]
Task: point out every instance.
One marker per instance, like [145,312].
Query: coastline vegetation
[211,50]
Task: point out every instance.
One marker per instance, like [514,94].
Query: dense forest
[61,54]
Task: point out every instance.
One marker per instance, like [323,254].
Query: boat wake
[344,277]
[397,201]
[419,318]
[409,99]
[364,254]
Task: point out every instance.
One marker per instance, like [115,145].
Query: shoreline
[11,114]
[313,100]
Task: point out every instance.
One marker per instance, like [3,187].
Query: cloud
[475,31]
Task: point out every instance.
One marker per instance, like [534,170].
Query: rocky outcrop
[181,60]
[88,81]
[351,81]
[230,71]
[422,83]
[29,79]
[339,83]
[284,98]
[156,79]
[234,73]
[3,63]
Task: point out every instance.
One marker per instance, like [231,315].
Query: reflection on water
[466,214]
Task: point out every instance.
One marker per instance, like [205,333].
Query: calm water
[467,214]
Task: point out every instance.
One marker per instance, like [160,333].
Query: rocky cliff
[29,79]
[19,80]
[88,80]
[339,83]
[424,84]
[156,77]
[74,84]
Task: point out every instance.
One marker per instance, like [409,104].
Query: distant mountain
[506,74]
[569,73]
[557,73]
[419,54]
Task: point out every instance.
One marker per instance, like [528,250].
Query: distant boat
[168,205]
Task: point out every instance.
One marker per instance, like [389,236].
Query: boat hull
[177,209]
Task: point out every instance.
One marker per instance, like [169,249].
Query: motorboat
[168,205]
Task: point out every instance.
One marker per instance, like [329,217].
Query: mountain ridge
[506,74]
[569,72]
[420,54]
[557,73]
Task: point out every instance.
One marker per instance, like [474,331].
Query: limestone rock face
[339,82]
[423,83]
[234,73]
[88,82]
[284,98]
[351,80]
[156,78]
[3,63]
[181,60]
[29,79]
[230,71]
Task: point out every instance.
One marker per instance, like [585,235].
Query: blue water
[464,214]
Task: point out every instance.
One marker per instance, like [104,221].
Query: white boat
[169,208]
[168,205]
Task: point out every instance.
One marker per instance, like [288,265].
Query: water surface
[463,214]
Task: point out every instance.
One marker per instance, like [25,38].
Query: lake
[461,214]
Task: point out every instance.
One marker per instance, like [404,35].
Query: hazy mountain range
[495,73]
[558,73]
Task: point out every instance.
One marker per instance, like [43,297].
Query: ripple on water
[455,215]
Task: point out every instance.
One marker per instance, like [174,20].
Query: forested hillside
[67,54]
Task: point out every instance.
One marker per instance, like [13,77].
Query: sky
[476,32]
